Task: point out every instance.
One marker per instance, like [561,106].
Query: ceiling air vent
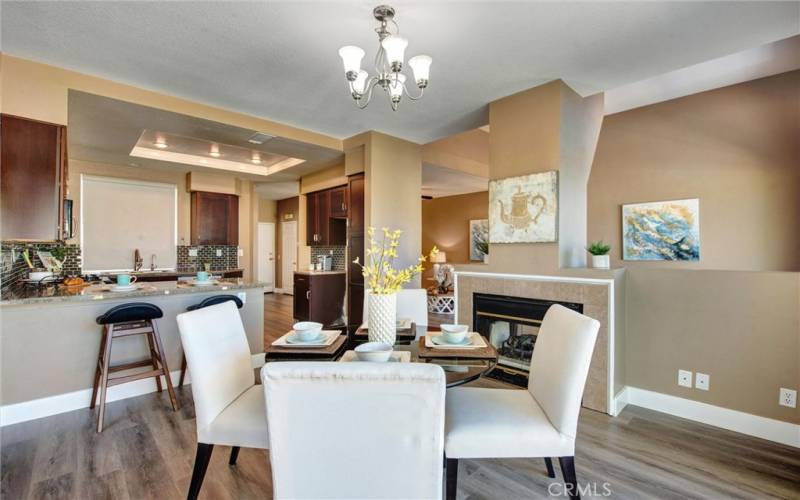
[259,138]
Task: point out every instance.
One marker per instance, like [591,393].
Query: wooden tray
[426,352]
[407,334]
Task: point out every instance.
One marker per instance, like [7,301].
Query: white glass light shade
[351,58]
[395,47]
[421,65]
[360,83]
[396,86]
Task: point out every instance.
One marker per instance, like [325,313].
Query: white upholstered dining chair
[355,430]
[540,422]
[412,303]
[228,404]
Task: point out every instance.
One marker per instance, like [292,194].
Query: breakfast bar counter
[50,341]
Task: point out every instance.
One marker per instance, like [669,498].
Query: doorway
[288,256]
[266,255]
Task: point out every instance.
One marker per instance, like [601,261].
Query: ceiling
[278,60]
[442,181]
[106,130]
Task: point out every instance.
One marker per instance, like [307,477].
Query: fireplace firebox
[511,324]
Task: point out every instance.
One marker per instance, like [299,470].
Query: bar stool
[210,301]
[136,318]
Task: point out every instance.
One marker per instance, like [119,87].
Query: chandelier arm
[408,94]
[371,84]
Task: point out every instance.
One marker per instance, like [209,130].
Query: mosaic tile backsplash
[13,267]
[208,254]
[339,255]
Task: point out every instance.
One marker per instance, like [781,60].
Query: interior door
[266,254]
[288,255]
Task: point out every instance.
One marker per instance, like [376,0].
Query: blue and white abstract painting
[663,230]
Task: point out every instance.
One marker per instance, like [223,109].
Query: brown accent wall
[445,223]
[287,210]
[737,149]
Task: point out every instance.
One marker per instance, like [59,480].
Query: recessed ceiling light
[259,138]
[160,143]
[256,158]
[215,151]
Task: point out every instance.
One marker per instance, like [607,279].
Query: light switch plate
[219,253]
[685,378]
[241,252]
[702,381]
[192,252]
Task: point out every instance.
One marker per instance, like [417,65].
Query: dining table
[461,366]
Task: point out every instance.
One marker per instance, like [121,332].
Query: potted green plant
[599,251]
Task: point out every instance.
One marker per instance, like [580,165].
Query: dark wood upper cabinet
[338,201]
[215,219]
[326,217]
[355,203]
[33,173]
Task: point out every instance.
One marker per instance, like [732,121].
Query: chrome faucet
[153,262]
[137,260]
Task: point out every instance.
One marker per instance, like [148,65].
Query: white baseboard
[76,400]
[733,420]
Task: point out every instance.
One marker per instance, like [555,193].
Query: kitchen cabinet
[215,219]
[319,297]
[355,248]
[33,179]
[317,214]
[338,201]
[326,217]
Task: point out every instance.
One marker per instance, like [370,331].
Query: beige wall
[267,210]
[742,328]
[445,223]
[394,192]
[737,149]
[545,128]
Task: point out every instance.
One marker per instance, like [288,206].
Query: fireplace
[511,324]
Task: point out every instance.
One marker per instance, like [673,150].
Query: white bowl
[374,351]
[454,328]
[39,275]
[307,330]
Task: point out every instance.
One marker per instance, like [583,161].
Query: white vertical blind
[121,215]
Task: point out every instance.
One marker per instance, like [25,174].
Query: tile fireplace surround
[597,296]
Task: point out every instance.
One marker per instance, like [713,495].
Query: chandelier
[388,65]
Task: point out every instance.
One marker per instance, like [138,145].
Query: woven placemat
[488,352]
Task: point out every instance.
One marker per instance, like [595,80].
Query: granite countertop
[59,294]
[317,273]
[176,272]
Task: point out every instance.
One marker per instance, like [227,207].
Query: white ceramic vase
[382,318]
[601,261]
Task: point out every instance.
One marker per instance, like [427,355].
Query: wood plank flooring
[147,451]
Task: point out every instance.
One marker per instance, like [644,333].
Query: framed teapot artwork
[524,209]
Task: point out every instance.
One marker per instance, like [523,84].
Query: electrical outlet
[219,253]
[242,296]
[788,397]
[240,252]
[685,378]
[192,252]
[701,381]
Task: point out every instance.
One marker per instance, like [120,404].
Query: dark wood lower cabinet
[319,297]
